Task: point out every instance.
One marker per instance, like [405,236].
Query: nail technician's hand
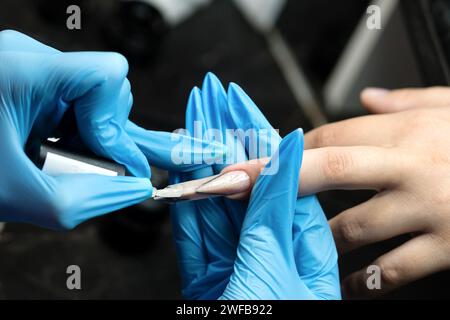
[37,85]
[277,246]
[403,153]
[269,263]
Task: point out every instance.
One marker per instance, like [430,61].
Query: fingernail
[375,92]
[226,184]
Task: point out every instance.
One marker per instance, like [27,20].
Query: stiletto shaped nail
[229,183]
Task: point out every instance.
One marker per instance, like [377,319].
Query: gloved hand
[274,247]
[37,85]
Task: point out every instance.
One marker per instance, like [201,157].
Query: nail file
[223,184]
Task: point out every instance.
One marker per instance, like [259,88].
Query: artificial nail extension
[224,184]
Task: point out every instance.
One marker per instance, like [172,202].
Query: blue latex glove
[37,85]
[275,247]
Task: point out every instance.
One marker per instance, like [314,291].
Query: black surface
[34,262]
[318,31]
[428,28]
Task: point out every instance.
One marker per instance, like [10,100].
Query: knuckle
[440,197]
[441,242]
[421,119]
[418,117]
[324,136]
[349,231]
[421,122]
[414,121]
[390,275]
[437,158]
[336,165]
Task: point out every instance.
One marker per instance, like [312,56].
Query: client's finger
[413,260]
[371,130]
[383,217]
[384,101]
[345,168]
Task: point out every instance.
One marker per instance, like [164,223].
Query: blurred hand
[404,153]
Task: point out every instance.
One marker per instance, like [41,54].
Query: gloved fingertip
[96,195]
[134,160]
[235,91]
[210,77]
[127,153]
[195,91]
[214,105]
[116,65]
[195,96]
[131,188]
[211,84]
[142,188]
[244,111]
[117,144]
[238,99]
[291,145]
[194,109]
[276,189]
[139,166]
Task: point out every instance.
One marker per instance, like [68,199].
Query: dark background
[134,257]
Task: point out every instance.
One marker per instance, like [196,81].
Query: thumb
[81,197]
[379,100]
[175,152]
[274,196]
[315,252]
[29,195]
